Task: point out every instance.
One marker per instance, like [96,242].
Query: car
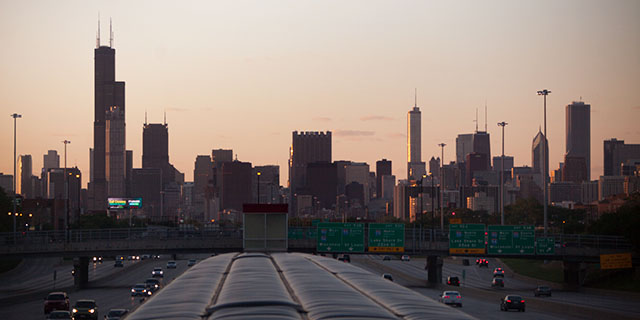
[171,265]
[405,258]
[482,263]
[512,302]
[85,309]
[140,289]
[387,276]
[498,272]
[152,284]
[542,291]
[116,314]
[451,298]
[497,282]
[386,258]
[118,264]
[56,301]
[145,257]
[97,259]
[59,314]
[157,272]
[453,281]
[191,263]
[345,258]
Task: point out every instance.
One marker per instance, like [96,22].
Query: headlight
[74,310]
[133,290]
[149,292]
[156,285]
[92,310]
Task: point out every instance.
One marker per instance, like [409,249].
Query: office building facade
[578,134]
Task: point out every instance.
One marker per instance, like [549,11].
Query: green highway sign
[545,246]
[511,240]
[386,237]
[340,237]
[299,233]
[466,239]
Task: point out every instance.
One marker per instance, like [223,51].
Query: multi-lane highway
[109,286]
[482,301]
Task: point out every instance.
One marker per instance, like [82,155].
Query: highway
[482,301]
[111,290]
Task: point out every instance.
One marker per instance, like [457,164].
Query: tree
[624,222]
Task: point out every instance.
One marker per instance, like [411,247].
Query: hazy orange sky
[245,74]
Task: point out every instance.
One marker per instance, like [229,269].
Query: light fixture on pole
[258,174]
[545,156]
[66,191]
[15,116]
[502,124]
[442,145]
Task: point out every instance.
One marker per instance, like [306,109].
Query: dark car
[497,282]
[152,284]
[85,309]
[483,263]
[453,281]
[118,264]
[542,291]
[56,301]
[116,314]
[386,258]
[512,302]
[59,314]
[345,258]
[140,289]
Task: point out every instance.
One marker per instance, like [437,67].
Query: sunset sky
[243,75]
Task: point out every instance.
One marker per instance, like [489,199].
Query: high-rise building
[359,172]
[147,184]
[475,162]
[537,154]
[434,167]
[155,152]
[236,185]
[464,146]
[383,168]
[482,145]
[578,129]
[322,184]
[109,159]
[25,171]
[415,167]
[574,169]
[306,147]
[201,177]
[50,160]
[267,189]
[616,153]
[6,183]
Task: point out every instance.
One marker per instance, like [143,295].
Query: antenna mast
[476,121]
[485,115]
[98,34]
[165,117]
[110,34]
[145,117]
[416,97]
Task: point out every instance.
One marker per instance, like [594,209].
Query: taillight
[509,301]
[459,297]
[446,297]
[522,301]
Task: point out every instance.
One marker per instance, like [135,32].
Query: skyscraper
[50,160]
[25,171]
[537,154]
[383,168]
[482,144]
[578,128]
[307,147]
[109,159]
[415,167]
[616,152]
[464,146]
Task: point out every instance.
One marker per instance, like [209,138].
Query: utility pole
[442,145]
[545,174]
[502,124]
[66,192]
[15,116]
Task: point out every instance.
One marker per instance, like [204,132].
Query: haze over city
[244,75]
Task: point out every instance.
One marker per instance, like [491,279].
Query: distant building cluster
[318,185]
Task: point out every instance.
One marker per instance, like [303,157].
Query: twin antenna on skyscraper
[110,33]
[485,117]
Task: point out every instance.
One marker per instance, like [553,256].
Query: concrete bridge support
[81,272]
[574,273]
[434,269]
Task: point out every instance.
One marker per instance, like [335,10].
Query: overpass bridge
[573,250]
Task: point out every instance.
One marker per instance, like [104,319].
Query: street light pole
[502,124]
[442,145]
[15,116]
[259,173]
[545,174]
[66,192]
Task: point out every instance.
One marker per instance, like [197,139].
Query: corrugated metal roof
[286,286]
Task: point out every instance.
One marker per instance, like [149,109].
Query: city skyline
[352,77]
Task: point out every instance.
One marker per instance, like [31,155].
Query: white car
[405,258]
[451,298]
[157,272]
[171,265]
[191,263]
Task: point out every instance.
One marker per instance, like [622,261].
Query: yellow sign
[466,251]
[615,261]
[386,249]
[455,221]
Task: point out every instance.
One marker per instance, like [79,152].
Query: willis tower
[108,156]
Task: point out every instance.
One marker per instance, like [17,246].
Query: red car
[56,301]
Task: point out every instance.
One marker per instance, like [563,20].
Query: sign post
[466,239]
[511,240]
[340,237]
[386,237]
